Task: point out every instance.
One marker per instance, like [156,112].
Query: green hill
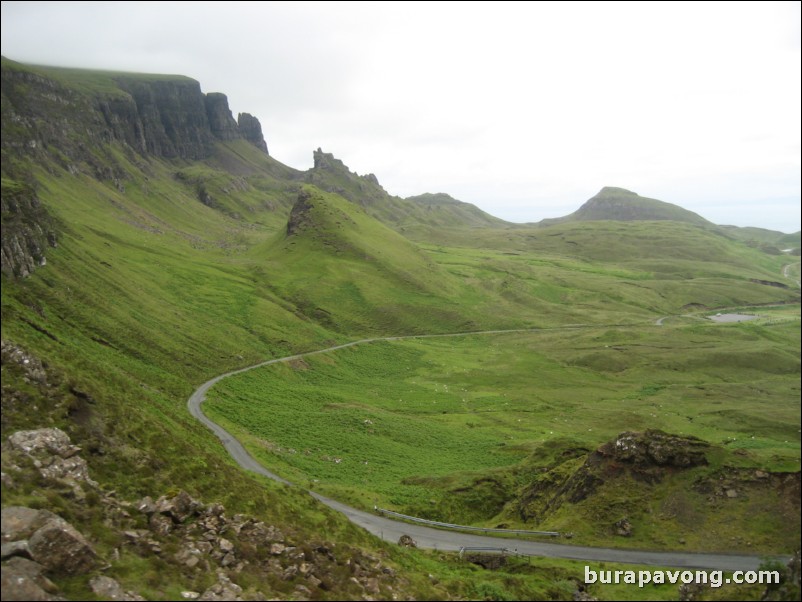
[620,204]
[150,243]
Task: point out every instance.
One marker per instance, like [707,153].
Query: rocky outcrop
[53,454]
[656,448]
[27,230]
[251,130]
[644,456]
[299,216]
[327,161]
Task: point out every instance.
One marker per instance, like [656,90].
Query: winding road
[428,537]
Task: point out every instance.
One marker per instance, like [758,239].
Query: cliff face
[168,117]
[251,130]
[221,121]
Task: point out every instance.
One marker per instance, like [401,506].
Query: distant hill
[765,239]
[619,204]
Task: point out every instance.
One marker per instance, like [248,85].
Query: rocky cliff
[165,116]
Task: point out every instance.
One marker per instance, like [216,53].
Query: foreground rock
[47,539]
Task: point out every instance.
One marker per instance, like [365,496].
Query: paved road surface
[427,537]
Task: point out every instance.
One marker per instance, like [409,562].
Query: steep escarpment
[48,109]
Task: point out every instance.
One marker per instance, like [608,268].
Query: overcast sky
[525,110]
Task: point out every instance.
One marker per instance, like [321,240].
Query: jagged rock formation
[251,130]
[221,121]
[299,216]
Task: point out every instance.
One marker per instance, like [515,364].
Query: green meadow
[406,424]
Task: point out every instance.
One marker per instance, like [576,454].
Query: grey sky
[526,110]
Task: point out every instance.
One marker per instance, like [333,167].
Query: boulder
[178,508]
[60,548]
[407,542]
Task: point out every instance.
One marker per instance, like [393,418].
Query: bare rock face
[60,548]
[221,121]
[53,454]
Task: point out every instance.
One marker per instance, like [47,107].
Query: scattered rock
[407,542]
[146,505]
[224,589]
